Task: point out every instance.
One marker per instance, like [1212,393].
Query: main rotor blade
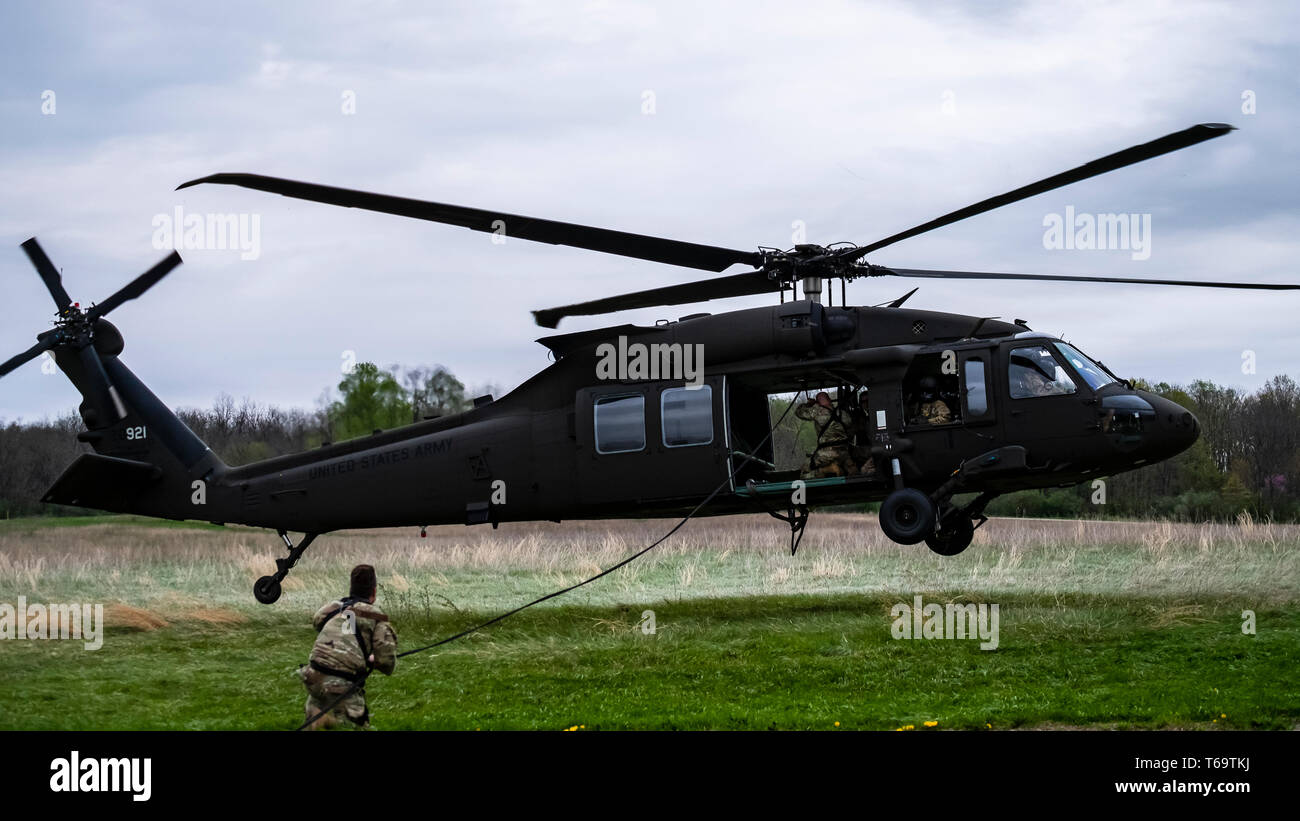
[878,270]
[753,282]
[31,353]
[1111,162]
[49,274]
[640,246]
[136,287]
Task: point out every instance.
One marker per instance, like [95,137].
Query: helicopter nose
[1174,428]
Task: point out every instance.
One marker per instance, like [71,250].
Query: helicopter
[602,433]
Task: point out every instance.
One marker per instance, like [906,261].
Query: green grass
[787,662]
[1143,632]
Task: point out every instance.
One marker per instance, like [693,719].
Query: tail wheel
[953,537]
[267,590]
[907,516]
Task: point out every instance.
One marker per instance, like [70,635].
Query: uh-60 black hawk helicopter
[569,444]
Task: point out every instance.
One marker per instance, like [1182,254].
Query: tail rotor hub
[75,329]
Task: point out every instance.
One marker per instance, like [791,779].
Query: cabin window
[620,424]
[931,391]
[687,415]
[977,397]
[1035,372]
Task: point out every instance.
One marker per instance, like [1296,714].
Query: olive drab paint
[607,431]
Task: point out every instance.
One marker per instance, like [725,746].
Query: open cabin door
[749,433]
[646,442]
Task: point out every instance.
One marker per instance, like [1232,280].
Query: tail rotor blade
[136,287]
[29,354]
[50,274]
[99,391]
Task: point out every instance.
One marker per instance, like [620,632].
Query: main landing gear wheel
[907,516]
[267,590]
[953,538]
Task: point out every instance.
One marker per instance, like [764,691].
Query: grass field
[1102,624]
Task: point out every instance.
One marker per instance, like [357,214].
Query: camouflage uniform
[1039,385]
[350,631]
[936,412]
[833,456]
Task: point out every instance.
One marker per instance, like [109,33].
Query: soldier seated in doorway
[832,456]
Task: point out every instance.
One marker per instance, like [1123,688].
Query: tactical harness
[821,430]
[356,678]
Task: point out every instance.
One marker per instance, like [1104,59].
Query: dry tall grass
[478,567]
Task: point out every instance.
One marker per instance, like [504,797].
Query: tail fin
[145,429]
[146,460]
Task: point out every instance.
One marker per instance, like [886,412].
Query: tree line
[33,454]
[1246,460]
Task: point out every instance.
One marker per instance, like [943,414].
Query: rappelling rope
[357,685]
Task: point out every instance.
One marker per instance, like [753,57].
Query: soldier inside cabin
[833,456]
[933,410]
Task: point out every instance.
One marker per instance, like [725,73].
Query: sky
[733,124]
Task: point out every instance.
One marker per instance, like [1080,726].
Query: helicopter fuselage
[574,443]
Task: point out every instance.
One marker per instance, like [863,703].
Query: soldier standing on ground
[354,638]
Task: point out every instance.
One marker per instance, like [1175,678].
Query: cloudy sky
[717,123]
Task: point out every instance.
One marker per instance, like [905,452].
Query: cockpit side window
[1034,372]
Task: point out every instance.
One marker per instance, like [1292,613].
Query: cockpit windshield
[1091,372]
